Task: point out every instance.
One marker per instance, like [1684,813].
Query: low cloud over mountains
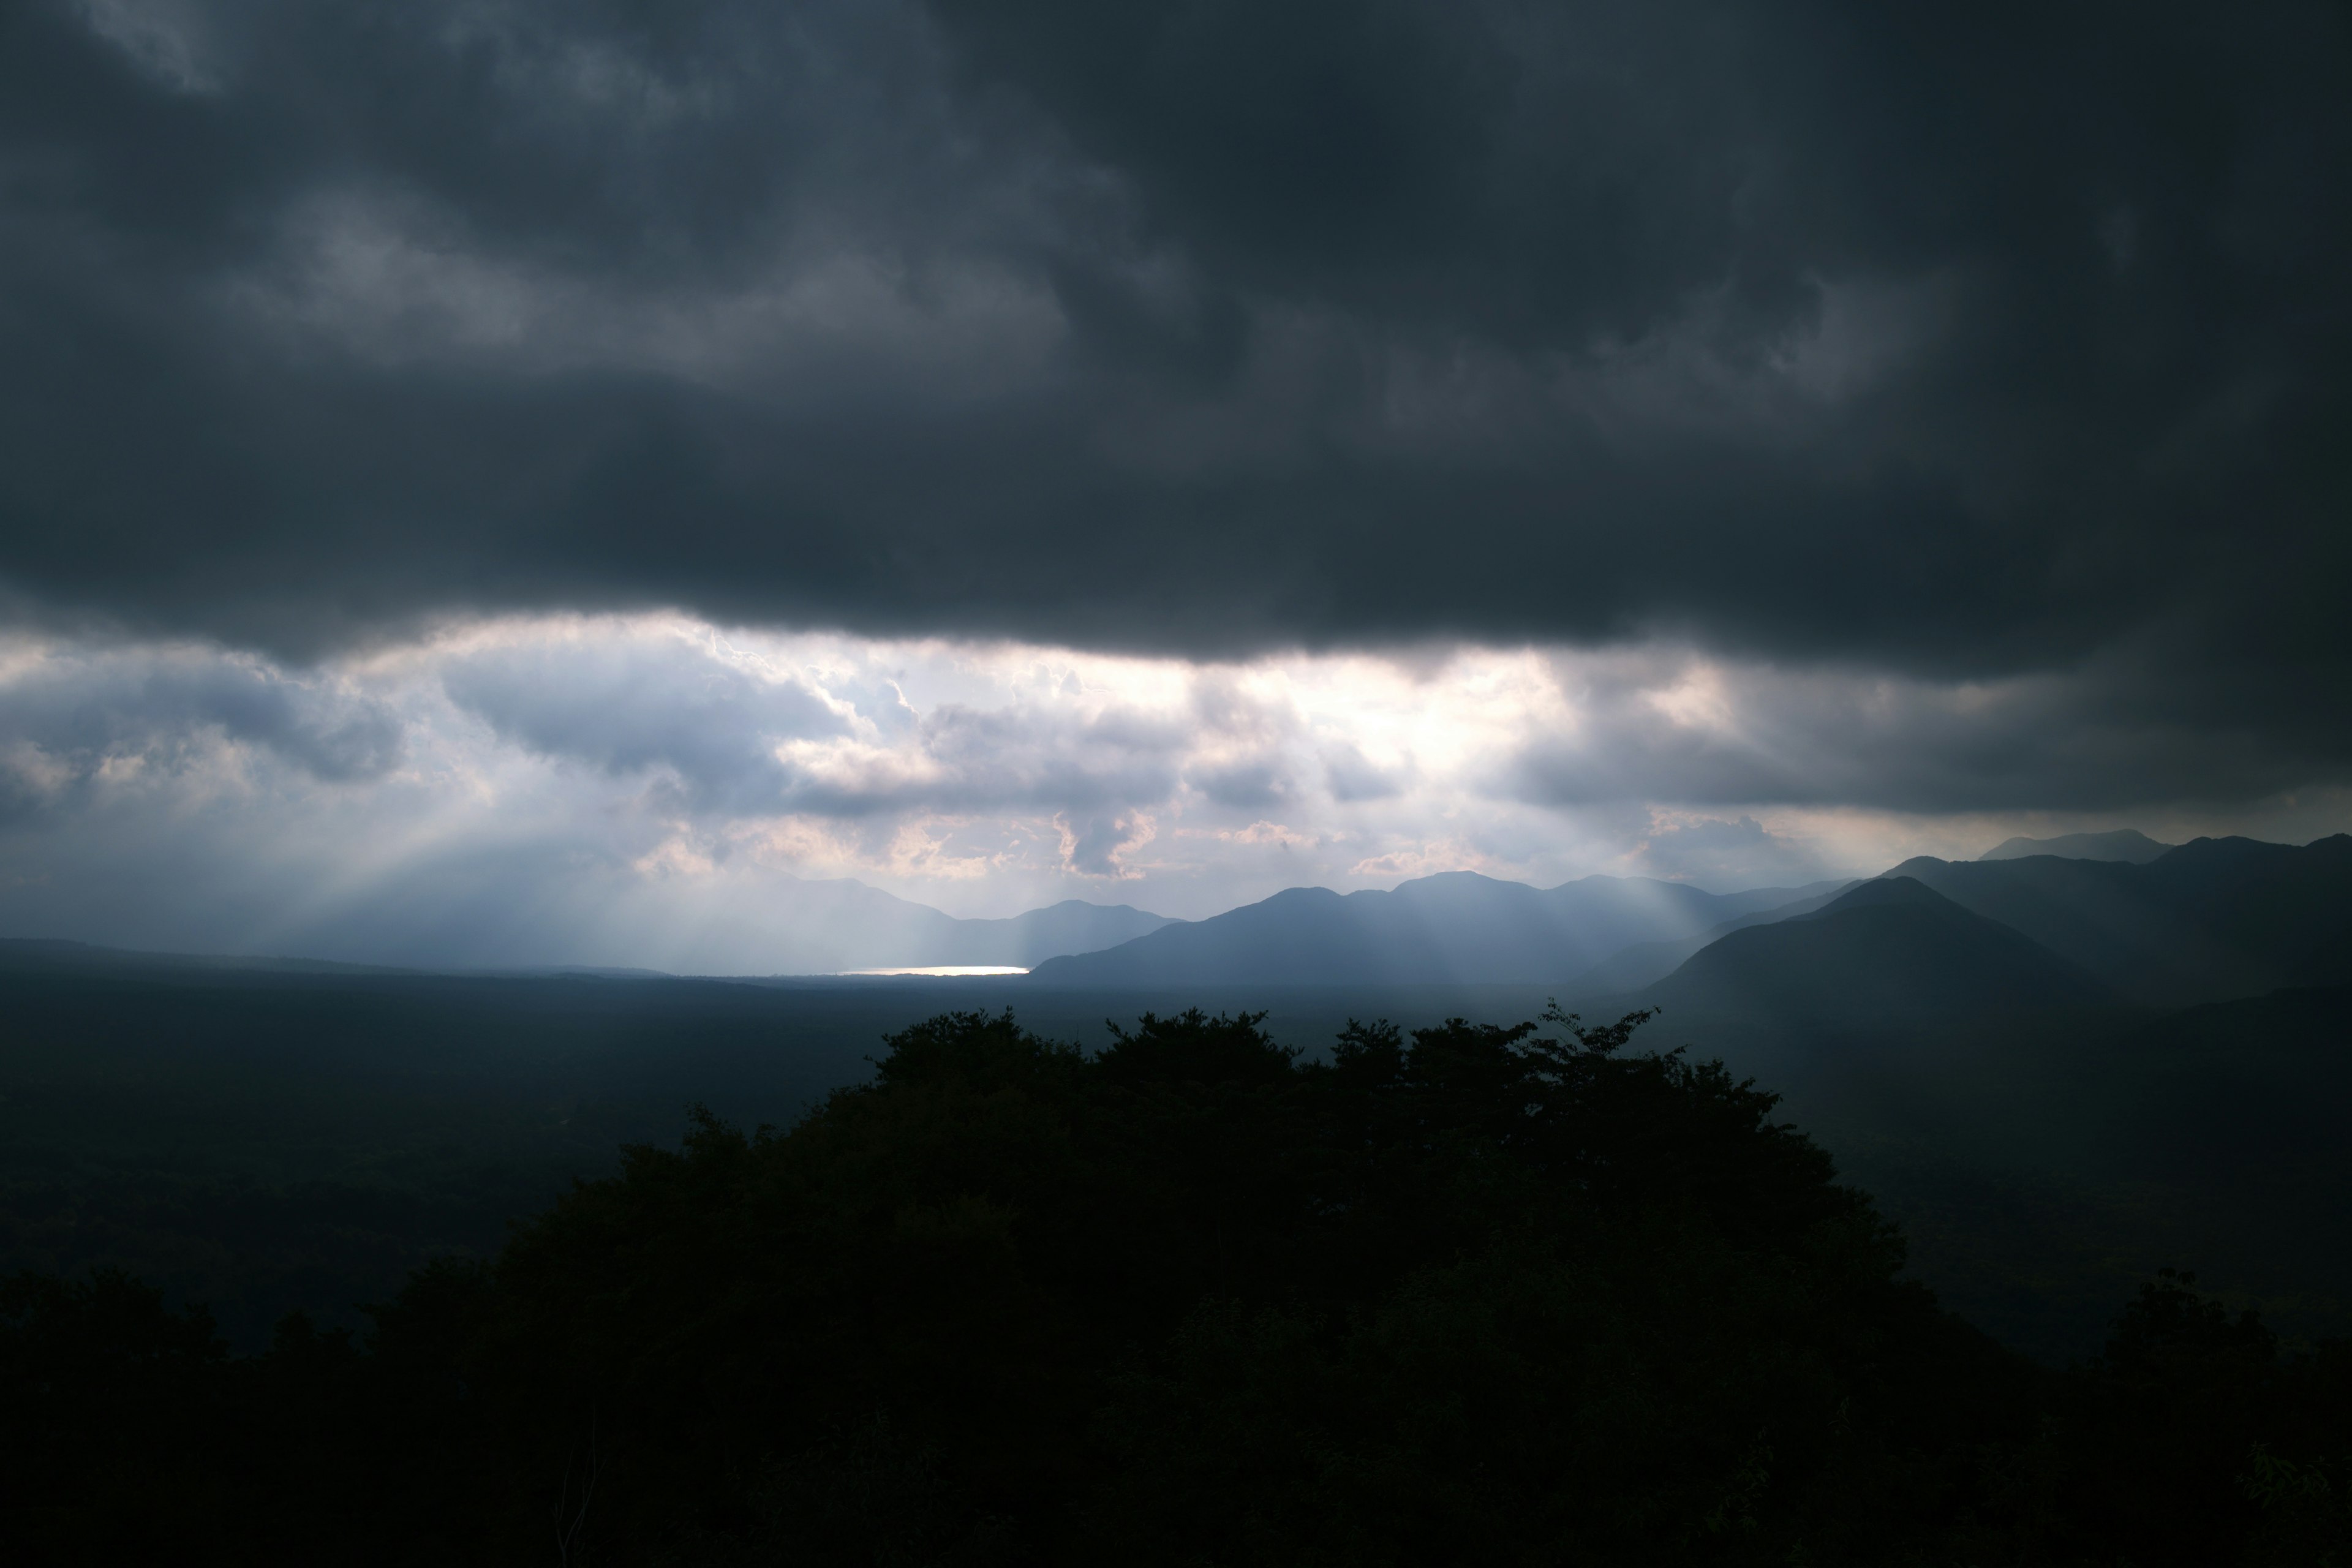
[1927,417]
[647,790]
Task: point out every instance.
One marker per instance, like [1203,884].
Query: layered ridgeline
[1888,949]
[2214,919]
[1938,940]
[2204,922]
[1070,926]
[1992,1048]
[825,927]
[1640,964]
[833,926]
[1458,927]
[2118,844]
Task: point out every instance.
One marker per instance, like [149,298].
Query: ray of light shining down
[645,790]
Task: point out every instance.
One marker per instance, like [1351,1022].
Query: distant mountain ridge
[829,927]
[1889,950]
[2127,844]
[2204,922]
[832,926]
[2209,921]
[1069,926]
[1456,928]
[2212,920]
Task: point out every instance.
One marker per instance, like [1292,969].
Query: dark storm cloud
[1963,340]
[1653,727]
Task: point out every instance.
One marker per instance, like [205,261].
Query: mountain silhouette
[2127,844]
[2214,919]
[1455,928]
[1885,951]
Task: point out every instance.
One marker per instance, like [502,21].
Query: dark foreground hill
[261,1140]
[261,1136]
[1458,927]
[2212,920]
[1480,1295]
[1888,952]
[2040,1163]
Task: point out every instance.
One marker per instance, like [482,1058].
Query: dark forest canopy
[1483,1294]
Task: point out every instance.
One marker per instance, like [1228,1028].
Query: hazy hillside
[840,925]
[2212,920]
[1070,926]
[828,927]
[1885,951]
[1458,927]
[1643,963]
[2127,844]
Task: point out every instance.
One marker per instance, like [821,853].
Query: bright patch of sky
[645,790]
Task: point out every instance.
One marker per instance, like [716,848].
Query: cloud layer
[1939,342]
[1538,434]
[654,790]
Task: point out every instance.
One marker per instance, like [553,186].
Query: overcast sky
[483,481]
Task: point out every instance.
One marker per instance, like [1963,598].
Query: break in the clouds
[655,790]
[1868,415]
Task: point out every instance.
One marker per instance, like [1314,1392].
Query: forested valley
[1463,1293]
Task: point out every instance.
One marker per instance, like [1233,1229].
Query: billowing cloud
[712,722]
[76,721]
[1098,846]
